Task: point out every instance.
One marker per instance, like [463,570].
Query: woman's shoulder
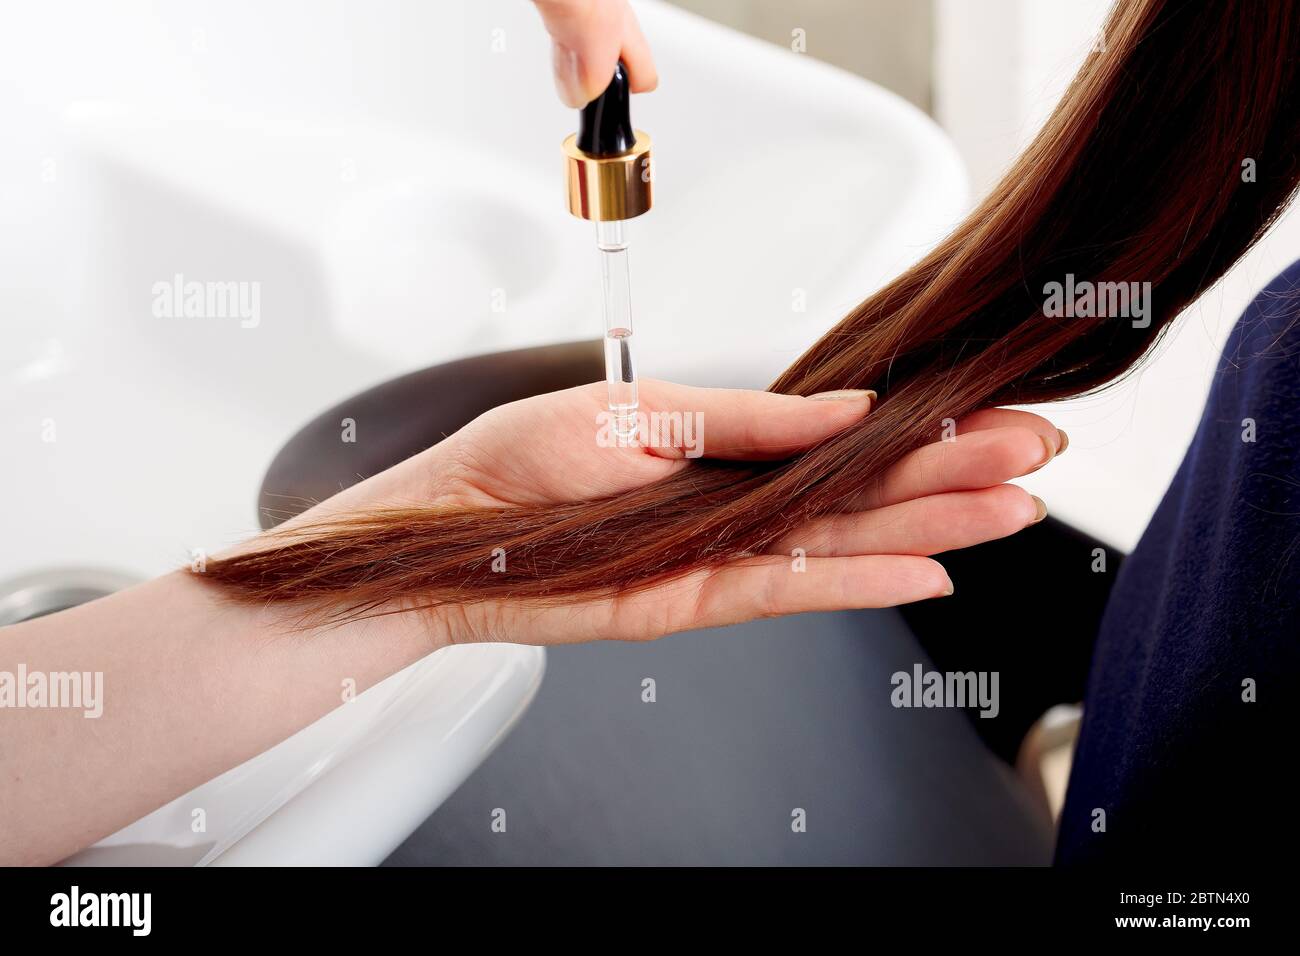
[1261,359]
[1273,316]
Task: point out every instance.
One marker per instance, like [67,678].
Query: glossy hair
[1140,175]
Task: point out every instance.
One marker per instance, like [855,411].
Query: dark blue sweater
[1184,765]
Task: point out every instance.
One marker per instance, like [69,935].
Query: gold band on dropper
[609,188]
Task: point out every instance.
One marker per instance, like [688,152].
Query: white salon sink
[389,173]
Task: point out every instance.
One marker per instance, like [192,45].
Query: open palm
[549,449]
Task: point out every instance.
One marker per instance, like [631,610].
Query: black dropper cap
[605,124]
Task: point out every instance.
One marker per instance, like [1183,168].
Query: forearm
[193,685]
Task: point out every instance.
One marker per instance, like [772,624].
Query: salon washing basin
[362,190]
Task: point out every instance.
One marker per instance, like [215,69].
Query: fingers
[589,37]
[976,459]
[992,446]
[1011,417]
[636,55]
[742,424]
[739,591]
[771,586]
[922,526]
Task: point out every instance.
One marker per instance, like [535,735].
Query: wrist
[423,480]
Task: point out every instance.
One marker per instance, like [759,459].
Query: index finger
[741,424]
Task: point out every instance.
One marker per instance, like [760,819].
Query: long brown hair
[1173,150]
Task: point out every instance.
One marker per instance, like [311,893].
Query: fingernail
[844,395]
[950,588]
[1065,441]
[567,82]
[1040,509]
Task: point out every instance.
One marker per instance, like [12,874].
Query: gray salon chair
[767,743]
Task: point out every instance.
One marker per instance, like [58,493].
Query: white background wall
[887,41]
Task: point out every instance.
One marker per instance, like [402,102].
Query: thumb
[589,38]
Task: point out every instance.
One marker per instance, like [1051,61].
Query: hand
[544,450]
[589,37]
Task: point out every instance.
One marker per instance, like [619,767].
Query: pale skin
[195,684]
[588,38]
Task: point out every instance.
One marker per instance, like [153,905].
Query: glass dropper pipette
[620,369]
[607,165]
